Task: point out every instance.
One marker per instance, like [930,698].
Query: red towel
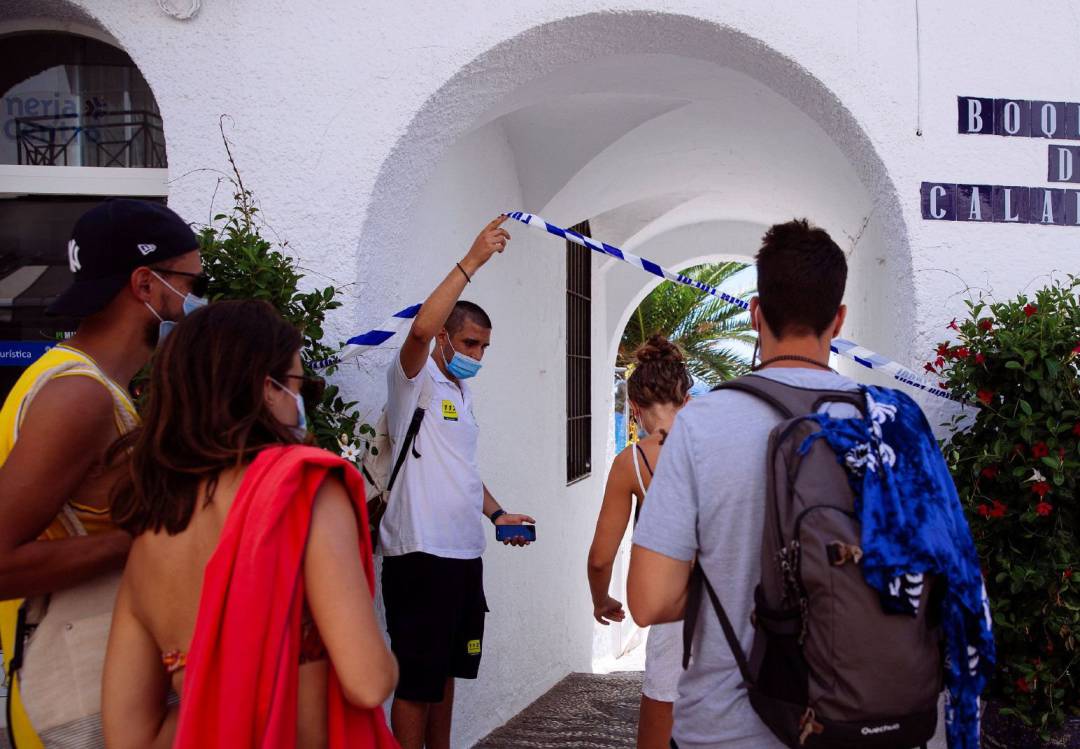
[240,684]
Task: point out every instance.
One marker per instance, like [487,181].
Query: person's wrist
[470,265]
[494,517]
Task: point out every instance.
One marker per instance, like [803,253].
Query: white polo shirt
[437,504]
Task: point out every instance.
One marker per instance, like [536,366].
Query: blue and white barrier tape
[840,346]
[396,325]
[401,321]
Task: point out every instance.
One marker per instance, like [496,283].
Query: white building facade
[378,138]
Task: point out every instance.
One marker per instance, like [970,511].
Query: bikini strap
[637,468]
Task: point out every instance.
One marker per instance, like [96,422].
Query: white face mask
[191,303]
[300,429]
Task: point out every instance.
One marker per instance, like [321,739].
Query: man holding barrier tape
[432,535]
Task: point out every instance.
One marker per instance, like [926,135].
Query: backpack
[379,467]
[829,667]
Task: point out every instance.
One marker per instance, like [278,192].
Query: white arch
[523,70]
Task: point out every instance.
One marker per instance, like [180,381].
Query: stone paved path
[583,711]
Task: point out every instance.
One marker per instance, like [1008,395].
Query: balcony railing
[133,139]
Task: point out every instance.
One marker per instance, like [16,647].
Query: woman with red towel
[248,591]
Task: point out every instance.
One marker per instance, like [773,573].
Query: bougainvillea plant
[1017,468]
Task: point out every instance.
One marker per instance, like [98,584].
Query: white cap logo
[146,249]
[73,257]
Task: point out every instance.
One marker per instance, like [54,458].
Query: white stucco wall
[378,139]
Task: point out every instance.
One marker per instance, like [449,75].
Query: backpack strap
[789,400]
[699,581]
[407,444]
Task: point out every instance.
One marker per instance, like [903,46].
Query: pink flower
[1076,429]
[1030,309]
[1039,450]
[986,324]
[1067,574]
[1022,685]
[1043,509]
[985,396]
[929,367]
[980,359]
[961,352]
[998,510]
[942,349]
[990,472]
[1042,488]
[953,325]
[984,510]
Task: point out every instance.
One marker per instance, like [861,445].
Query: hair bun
[658,349]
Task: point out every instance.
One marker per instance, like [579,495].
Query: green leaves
[1025,352]
[701,324]
[244,265]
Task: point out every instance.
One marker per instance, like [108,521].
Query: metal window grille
[578,358]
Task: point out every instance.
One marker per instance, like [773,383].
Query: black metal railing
[133,139]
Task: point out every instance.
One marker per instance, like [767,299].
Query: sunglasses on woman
[311,388]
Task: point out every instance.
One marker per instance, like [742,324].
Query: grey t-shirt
[708,499]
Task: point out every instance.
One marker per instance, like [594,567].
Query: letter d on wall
[1061,164]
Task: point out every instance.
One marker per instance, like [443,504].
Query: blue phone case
[506,532]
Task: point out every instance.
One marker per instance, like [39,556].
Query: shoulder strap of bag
[698,581]
[789,400]
[413,430]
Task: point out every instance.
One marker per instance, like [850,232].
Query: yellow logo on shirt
[449,410]
[473,647]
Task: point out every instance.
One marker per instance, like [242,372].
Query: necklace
[792,357]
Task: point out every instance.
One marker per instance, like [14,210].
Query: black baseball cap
[110,241]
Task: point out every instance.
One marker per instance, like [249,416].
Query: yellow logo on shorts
[449,410]
[473,647]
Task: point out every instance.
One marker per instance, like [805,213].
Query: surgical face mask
[300,430]
[460,366]
[191,303]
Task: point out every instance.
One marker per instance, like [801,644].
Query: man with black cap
[137,271]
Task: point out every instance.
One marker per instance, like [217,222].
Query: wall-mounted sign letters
[22,353]
[1018,118]
[1013,204]
[1000,204]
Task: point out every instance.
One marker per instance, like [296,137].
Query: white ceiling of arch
[646,144]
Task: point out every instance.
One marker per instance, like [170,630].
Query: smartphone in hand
[507,532]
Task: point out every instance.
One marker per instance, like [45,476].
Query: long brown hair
[660,374]
[205,412]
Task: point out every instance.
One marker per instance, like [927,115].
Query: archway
[678,139]
[78,123]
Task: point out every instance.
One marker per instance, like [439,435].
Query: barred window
[578,358]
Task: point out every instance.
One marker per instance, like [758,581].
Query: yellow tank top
[75,519]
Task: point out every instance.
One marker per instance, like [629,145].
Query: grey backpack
[831,667]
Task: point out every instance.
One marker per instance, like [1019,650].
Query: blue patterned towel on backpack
[913,525]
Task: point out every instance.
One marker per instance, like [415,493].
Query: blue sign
[22,353]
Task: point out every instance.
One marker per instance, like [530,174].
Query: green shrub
[1016,468]
[242,264]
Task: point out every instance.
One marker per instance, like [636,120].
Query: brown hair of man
[464,310]
[801,275]
[205,412]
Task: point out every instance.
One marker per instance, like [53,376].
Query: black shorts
[435,611]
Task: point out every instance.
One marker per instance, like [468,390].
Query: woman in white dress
[658,387]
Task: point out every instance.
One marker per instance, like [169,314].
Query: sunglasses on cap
[200,282]
[311,387]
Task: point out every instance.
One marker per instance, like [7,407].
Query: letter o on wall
[1011,112]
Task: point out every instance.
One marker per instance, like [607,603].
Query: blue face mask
[300,430]
[460,366]
[191,303]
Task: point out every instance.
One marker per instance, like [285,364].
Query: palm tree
[701,324]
